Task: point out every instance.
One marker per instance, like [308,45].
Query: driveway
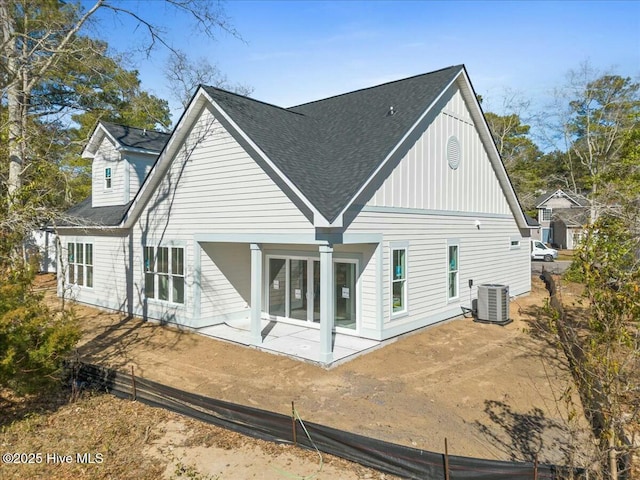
[556,267]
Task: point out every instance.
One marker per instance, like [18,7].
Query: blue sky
[292,52]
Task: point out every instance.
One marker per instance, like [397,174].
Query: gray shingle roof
[329,148]
[531,222]
[579,200]
[84,215]
[137,138]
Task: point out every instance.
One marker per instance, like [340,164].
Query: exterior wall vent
[493,304]
[453,152]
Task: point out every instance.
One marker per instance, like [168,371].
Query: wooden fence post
[446,460]
[133,381]
[293,424]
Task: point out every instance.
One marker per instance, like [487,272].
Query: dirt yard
[493,392]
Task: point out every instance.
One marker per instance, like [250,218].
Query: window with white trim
[398,280]
[107,178]
[80,264]
[546,214]
[515,243]
[452,276]
[164,273]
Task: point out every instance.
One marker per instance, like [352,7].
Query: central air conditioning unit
[493,304]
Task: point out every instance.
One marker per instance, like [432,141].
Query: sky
[292,52]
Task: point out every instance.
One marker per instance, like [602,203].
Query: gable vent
[453,152]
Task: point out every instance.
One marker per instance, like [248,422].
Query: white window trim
[84,265]
[399,246]
[170,274]
[310,257]
[515,243]
[108,180]
[453,242]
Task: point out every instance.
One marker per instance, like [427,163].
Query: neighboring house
[368,213]
[42,243]
[562,218]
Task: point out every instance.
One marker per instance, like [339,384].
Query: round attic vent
[453,152]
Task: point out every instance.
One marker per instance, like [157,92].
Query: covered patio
[292,340]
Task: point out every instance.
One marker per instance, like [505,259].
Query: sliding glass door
[294,290]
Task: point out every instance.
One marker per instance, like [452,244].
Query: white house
[368,213]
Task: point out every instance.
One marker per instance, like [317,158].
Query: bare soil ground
[491,391]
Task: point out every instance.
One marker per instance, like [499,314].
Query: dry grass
[127,439]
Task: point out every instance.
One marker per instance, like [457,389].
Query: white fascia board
[485,134]
[318,219]
[164,160]
[95,140]
[339,219]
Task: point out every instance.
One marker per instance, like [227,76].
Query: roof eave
[494,156]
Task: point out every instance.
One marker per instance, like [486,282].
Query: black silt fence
[387,457]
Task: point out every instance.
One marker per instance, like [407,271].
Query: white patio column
[327,313]
[256,293]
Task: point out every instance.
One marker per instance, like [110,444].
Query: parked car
[539,251]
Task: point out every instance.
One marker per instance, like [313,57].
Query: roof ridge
[148,130]
[245,97]
[376,86]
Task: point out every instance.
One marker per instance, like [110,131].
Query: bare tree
[37,38]
[184,75]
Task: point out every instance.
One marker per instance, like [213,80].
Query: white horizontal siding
[423,179]
[214,186]
[139,167]
[225,281]
[107,157]
[485,256]
[110,260]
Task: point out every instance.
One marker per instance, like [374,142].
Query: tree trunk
[15,106]
[15,143]
[613,457]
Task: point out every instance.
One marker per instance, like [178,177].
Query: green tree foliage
[34,341]
[53,74]
[608,263]
[602,113]
[520,155]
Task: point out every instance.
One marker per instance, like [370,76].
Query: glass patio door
[298,292]
[294,290]
[278,287]
[345,296]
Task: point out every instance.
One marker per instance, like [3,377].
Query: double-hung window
[164,273]
[107,178]
[398,280]
[80,264]
[453,267]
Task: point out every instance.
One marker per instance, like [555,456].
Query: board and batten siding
[108,156]
[425,205]
[212,186]
[110,262]
[424,180]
